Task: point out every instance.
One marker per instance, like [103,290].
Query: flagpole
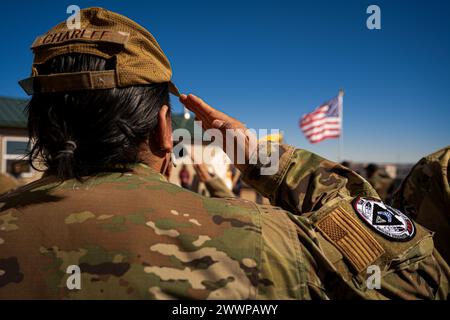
[341,118]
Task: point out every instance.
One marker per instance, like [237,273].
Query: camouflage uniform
[381,182]
[136,236]
[425,195]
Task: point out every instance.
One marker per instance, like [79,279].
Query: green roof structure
[12,112]
[13,115]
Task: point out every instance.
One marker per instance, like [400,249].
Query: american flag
[323,123]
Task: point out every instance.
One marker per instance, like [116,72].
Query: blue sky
[268,62]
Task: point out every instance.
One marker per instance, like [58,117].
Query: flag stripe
[315,112]
[326,125]
[317,117]
[324,138]
[319,123]
[321,132]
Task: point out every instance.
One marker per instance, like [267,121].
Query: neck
[155,160]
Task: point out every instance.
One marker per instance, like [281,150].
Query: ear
[165,129]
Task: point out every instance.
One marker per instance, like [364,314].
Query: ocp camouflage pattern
[136,236]
[425,195]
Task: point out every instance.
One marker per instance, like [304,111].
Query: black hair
[79,133]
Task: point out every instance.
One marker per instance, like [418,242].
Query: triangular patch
[384,217]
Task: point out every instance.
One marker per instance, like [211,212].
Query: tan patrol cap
[139,60]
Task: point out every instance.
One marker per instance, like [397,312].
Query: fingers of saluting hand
[203,111]
[197,105]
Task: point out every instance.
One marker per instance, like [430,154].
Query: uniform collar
[144,170]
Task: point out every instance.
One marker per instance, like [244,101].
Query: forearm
[304,181]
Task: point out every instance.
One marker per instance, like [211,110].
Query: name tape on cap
[81,35]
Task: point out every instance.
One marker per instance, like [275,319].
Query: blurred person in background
[379,180]
[237,181]
[185,177]
[425,195]
[214,184]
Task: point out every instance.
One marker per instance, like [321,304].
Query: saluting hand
[214,119]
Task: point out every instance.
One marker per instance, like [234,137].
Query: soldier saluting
[99,119]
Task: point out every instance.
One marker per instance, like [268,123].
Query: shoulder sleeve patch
[385,220]
[357,245]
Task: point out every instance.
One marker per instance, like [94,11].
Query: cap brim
[28,84]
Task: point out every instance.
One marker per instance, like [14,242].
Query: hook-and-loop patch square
[357,245]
